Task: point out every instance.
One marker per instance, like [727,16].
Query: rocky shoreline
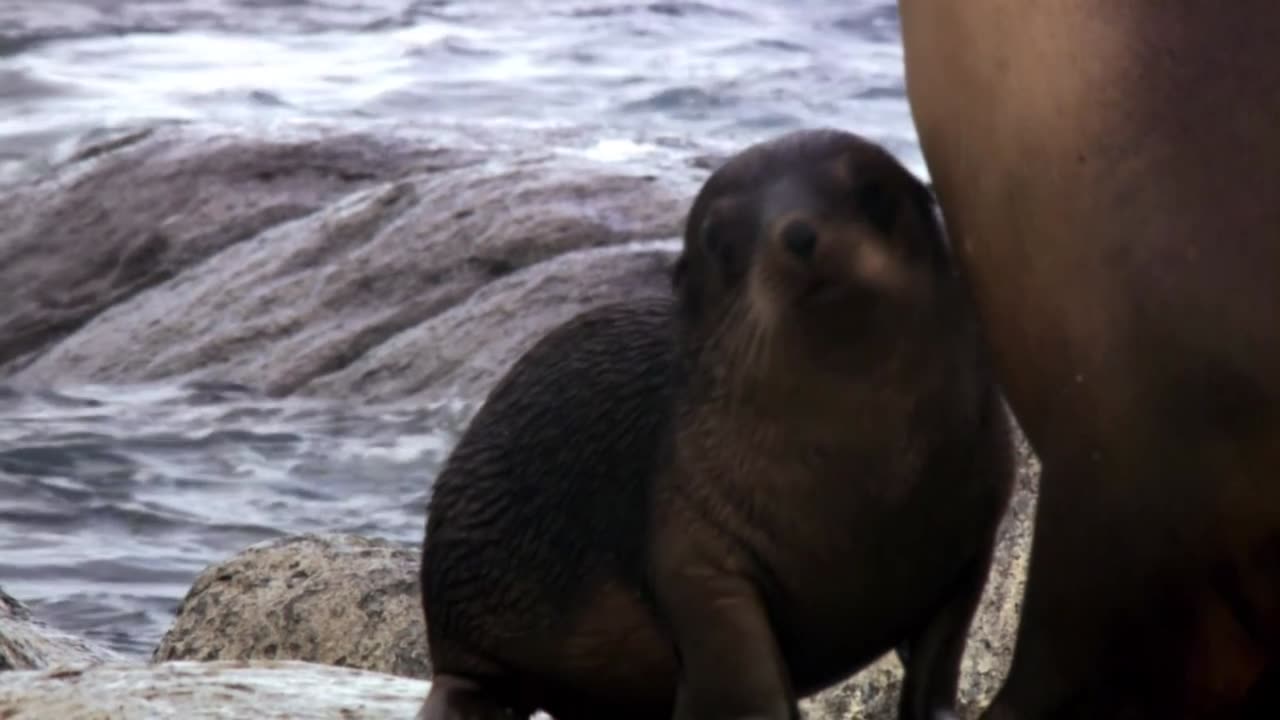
[405,266]
[321,262]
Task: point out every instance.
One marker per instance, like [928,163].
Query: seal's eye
[879,204]
[800,239]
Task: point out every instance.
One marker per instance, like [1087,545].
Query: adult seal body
[709,506]
[1110,175]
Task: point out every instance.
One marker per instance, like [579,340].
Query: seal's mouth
[819,291]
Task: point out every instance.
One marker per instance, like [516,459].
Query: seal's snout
[800,239]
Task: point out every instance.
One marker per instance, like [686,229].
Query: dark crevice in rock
[120,142]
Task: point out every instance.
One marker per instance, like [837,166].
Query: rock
[135,209]
[264,690]
[461,352]
[334,599]
[288,264]
[29,644]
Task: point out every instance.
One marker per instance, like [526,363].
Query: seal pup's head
[813,244]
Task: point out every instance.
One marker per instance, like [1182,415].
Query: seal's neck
[825,365]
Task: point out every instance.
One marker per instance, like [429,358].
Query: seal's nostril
[800,238]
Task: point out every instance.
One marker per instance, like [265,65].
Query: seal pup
[1110,175]
[710,505]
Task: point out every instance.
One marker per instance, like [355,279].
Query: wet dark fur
[614,489]
[554,473]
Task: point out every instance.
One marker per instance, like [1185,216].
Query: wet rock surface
[336,599]
[461,352]
[132,210]
[289,263]
[270,690]
[26,643]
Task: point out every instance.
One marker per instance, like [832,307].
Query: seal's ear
[687,285]
[679,272]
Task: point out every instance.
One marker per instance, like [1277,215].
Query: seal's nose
[800,239]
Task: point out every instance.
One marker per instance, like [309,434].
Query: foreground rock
[354,602]
[266,690]
[29,644]
[337,599]
[338,263]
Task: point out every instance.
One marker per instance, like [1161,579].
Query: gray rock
[26,643]
[288,265]
[461,352]
[134,210]
[333,599]
[263,690]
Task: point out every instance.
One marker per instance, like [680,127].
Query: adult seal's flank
[710,506]
[1110,172]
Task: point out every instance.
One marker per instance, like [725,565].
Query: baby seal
[712,505]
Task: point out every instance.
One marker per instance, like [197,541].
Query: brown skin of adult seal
[711,505]
[1110,173]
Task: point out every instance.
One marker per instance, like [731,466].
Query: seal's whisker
[738,326]
[765,322]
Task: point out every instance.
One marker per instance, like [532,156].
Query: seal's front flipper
[903,651]
[731,667]
[931,659]
[730,664]
[457,698]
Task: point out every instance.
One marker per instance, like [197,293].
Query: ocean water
[112,499]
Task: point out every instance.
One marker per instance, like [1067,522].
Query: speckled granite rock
[261,690]
[26,643]
[332,599]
